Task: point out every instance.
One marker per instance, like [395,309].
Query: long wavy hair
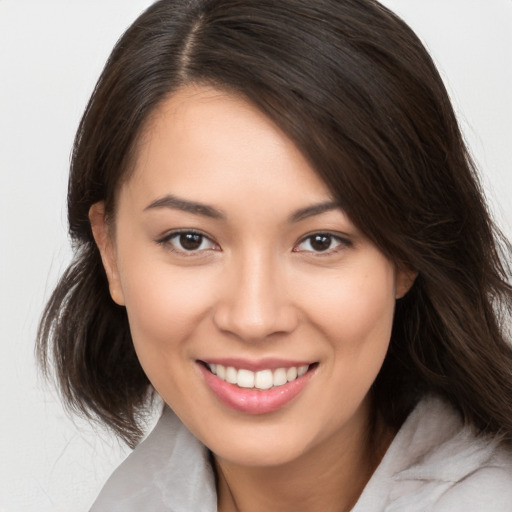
[353,87]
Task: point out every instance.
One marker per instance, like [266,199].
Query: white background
[51,53]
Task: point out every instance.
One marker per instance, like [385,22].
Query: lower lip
[254,401]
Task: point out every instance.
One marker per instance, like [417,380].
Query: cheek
[355,314]
[356,308]
[164,304]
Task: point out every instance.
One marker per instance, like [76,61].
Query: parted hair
[354,88]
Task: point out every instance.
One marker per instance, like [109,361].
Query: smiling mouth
[260,380]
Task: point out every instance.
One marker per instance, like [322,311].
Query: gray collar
[169,471]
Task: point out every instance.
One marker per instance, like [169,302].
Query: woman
[279,230]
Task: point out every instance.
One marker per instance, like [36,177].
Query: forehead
[205,142]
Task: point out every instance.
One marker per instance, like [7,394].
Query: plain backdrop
[51,53]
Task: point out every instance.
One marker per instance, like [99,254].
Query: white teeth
[245,378]
[280,377]
[263,379]
[291,373]
[221,372]
[231,375]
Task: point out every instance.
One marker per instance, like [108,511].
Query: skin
[255,288]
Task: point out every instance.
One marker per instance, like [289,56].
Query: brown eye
[190,241]
[320,242]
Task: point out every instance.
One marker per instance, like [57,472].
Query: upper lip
[270,363]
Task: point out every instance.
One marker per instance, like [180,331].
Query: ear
[404,280]
[105,243]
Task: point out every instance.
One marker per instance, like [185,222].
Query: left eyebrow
[315,209]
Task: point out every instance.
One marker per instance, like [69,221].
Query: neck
[329,477]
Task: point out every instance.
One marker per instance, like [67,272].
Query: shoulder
[168,471]
[487,488]
[465,472]
[438,464]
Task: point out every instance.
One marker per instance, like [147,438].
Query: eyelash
[166,241]
[341,243]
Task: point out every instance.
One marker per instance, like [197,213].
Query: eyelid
[344,242]
[164,240]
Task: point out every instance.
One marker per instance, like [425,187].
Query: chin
[258,456]
[261,445]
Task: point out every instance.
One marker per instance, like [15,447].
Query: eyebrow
[311,211]
[176,203]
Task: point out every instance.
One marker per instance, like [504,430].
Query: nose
[254,303]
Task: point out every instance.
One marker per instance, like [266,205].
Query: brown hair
[354,88]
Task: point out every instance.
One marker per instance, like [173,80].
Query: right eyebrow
[315,209]
[176,203]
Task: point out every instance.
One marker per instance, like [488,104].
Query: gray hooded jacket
[434,464]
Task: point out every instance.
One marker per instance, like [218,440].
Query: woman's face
[230,255]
